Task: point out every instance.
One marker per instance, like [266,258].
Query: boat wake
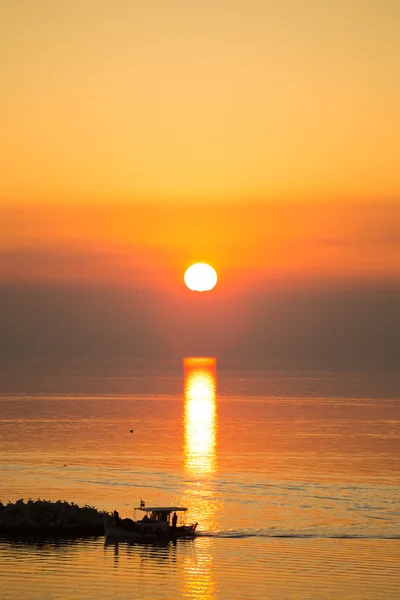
[265,533]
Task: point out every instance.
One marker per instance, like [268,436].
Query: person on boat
[174,520]
[116,517]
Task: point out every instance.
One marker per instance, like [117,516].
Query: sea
[292,477]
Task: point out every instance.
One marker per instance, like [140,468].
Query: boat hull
[126,535]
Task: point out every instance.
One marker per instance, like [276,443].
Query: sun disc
[200,277]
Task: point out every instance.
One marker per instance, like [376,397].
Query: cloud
[290,329]
[79,263]
[300,286]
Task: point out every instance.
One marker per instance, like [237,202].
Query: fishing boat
[158,523]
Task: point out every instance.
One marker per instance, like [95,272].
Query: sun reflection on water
[199,576]
[200,439]
[200,416]
[200,462]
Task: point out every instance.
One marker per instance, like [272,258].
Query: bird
[131,430]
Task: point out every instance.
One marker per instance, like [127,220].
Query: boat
[157,524]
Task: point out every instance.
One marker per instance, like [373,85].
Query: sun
[200,277]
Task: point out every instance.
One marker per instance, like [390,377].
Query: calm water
[294,481]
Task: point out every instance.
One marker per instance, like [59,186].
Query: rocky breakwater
[50,518]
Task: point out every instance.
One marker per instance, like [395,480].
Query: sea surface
[294,479]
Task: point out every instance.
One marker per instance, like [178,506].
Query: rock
[19,520]
[45,516]
[30,524]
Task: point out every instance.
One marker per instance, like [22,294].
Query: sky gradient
[140,137]
[209,100]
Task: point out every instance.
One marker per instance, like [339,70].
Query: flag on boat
[142,503]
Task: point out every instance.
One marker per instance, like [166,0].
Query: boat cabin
[158,522]
[158,518]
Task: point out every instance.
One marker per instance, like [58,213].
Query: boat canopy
[162,509]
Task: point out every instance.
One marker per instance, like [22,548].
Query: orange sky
[153,243]
[140,137]
[123,100]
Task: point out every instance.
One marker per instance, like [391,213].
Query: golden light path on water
[200,416]
[200,462]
